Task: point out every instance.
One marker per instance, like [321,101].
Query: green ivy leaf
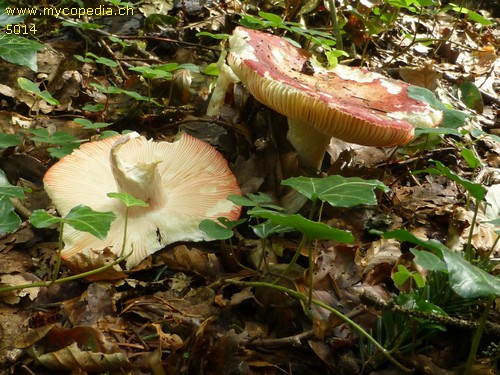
[471,96]
[121,42]
[61,151]
[337,190]
[476,17]
[5,18]
[42,219]
[268,228]
[405,236]
[28,86]
[85,219]
[313,230]
[45,95]
[88,125]
[451,118]
[93,107]
[469,281]
[254,200]
[9,191]
[230,223]
[212,70]
[252,22]
[58,138]
[215,230]
[128,200]
[274,19]
[8,140]
[472,160]
[81,25]
[401,276]
[18,50]
[220,36]
[495,222]
[429,261]
[108,133]
[148,72]
[9,220]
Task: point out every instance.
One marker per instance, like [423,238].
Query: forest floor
[220,307]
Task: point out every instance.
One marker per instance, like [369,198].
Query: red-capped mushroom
[184,182]
[351,104]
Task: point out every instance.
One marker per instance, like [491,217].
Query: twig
[21,209]
[293,341]
[372,300]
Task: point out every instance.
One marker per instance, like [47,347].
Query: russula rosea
[351,104]
[184,182]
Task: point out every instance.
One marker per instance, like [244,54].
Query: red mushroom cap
[184,182]
[351,104]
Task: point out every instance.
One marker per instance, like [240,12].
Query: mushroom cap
[351,104]
[184,182]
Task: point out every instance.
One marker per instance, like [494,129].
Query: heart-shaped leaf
[313,230]
[42,219]
[469,281]
[128,200]
[87,220]
[215,230]
[337,190]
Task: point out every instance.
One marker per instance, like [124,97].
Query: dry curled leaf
[72,358]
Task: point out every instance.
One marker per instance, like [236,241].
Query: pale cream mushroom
[184,182]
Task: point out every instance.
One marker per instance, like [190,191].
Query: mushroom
[351,104]
[184,182]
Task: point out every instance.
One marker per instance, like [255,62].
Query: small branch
[295,341]
[335,25]
[372,300]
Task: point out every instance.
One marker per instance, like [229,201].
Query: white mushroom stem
[139,179]
[225,79]
[309,143]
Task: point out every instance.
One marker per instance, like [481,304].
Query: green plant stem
[468,250]
[335,25]
[293,260]
[304,298]
[488,254]
[125,231]
[235,259]
[42,284]
[312,251]
[477,337]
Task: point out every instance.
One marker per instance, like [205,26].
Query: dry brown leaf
[380,252]
[72,358]
[168,341]
[88,259]
[483,237]
[191,259]
[425,76]
[15,296]
[13,323]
